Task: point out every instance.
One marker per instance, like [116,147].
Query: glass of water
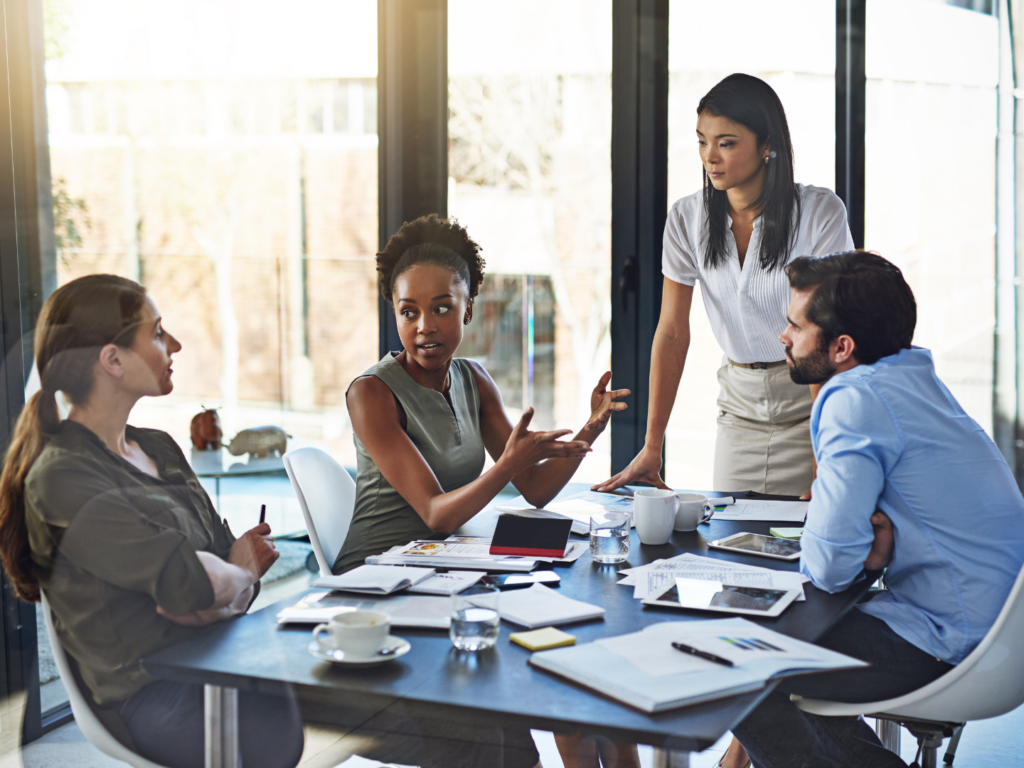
[475,618]
[609,537]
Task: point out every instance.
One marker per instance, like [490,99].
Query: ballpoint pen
[263,514]
[702,654]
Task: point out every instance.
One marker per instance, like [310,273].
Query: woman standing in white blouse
[735,237]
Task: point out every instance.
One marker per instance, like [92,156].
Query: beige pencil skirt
[764,438]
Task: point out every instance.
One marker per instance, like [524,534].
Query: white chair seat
[90,725]
[988,683]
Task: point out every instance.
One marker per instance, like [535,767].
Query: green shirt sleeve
[126,537]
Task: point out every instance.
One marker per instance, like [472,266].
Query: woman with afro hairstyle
[423,417]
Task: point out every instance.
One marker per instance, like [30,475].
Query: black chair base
[930,735]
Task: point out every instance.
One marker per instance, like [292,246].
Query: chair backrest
[88,723]
[327,495]
[988,683]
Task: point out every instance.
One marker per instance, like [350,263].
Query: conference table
[487,689]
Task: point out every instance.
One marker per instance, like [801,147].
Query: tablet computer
[701,595]
[759,544]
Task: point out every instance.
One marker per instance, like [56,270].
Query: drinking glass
[609,537]
[475,618]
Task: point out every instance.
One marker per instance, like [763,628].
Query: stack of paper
[572,551]
[764,510]
[644,670]
[471,553]
[652,578]
[540,606]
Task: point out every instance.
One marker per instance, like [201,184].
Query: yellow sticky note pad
[543,639]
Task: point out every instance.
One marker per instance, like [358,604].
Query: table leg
[670,758]
[889,734]
[221,725]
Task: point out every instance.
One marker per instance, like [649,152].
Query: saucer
[400,645]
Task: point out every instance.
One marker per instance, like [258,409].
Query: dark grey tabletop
[496,686]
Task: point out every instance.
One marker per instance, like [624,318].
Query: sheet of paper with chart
[654,577]
[757,510]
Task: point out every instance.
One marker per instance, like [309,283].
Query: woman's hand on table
[525,449]
[602,403]
[645,468]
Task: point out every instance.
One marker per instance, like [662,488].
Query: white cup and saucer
[357,638]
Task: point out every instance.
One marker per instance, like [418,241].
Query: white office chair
[90,725]
[988,683]
[327,495]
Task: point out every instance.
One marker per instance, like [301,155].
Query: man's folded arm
[857,443]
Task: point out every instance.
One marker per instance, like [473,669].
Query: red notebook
[530,536]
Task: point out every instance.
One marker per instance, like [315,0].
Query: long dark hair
[76,322]
[752,103]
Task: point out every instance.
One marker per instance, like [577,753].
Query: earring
[766,159]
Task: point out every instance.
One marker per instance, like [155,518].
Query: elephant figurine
[206,432]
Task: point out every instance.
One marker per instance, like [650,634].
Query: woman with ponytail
[110,523]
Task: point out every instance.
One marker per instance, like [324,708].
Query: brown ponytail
[76,322]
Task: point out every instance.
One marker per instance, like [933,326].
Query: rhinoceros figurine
[260,442]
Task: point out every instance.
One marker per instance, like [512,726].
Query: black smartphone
[520,580]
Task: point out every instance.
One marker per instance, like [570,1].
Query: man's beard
[814,368]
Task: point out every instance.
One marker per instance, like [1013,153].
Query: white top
[747,307]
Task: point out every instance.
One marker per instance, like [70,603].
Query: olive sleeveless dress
[448,437]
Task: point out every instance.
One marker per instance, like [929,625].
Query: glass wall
[530,177]
[225,155]
[930,190]
[791,45]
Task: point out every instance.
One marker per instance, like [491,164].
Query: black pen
[263,514]
[702,654]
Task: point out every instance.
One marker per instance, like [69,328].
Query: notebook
[541,606]
[375,579]
[643,670]
[456,552]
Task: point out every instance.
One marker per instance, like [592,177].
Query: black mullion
[412,122]
[639,158]
[19,618]
[851,102]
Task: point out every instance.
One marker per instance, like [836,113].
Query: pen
[702,654]
[263,514]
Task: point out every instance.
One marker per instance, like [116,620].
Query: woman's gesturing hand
[524,449]
[643,469]
[602,403]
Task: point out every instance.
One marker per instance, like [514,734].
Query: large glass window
[791,45]
[225,155]
[530,177]
[930,186]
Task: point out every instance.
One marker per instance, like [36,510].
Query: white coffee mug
[654,510]
[358,633]
[690,510]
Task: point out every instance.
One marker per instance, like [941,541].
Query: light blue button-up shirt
[891,436]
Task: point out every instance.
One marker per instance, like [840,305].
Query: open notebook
[642,669]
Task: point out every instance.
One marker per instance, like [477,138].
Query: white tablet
[759,544]
[701,595]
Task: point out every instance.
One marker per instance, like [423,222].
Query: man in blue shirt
[906,481]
